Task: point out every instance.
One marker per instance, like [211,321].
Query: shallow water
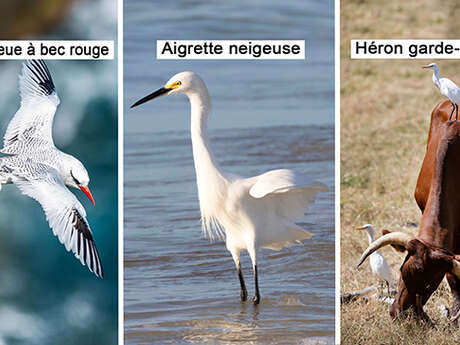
[181,288]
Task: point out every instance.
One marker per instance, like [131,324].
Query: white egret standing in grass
[250,213]
[447,88]
[379,265]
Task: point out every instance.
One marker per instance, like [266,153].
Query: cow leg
[452,112]
[405,300]
[454,284]
[424,316]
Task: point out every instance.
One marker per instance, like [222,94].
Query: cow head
[421,272]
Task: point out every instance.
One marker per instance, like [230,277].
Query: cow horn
[398,238]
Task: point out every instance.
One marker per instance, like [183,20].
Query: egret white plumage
[447,88]
[33,163]
[250,213]
[379,265]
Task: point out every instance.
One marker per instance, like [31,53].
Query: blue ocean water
[46,295]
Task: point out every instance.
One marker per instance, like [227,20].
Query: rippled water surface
[179,287]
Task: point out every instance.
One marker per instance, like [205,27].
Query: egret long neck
[436,77]
[207,169]
[370,235]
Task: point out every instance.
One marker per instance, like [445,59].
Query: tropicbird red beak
[88,194]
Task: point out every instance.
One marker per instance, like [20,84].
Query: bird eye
[178,83]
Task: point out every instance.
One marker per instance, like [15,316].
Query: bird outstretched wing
[294,191]
[281,181]
[65,214]
[31,126]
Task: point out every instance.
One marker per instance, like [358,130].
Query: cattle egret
[41,171]
[379,265]
[250,213]
[447,88]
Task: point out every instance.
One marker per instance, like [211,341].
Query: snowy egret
[41,171]
[250,213]
[447,88]
[379,265]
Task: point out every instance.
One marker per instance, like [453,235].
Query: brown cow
[440,114]
[435,251]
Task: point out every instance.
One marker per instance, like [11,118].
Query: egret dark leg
[256,298]
[456,112]
[244,292]
[236,259]
[388,288]
[452,112]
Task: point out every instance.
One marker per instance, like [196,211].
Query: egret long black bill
[157,93]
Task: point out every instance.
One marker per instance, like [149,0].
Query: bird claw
[256,300]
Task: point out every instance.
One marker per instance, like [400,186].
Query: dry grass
[385,111]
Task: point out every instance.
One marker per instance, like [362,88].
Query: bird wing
[386,272]
[381,267]
[294,191]
[65,214]
[31,126]
[450,89]
[281,181]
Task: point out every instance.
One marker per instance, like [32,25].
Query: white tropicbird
[41,171]
[379,265]
[252,213]
[447,88]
